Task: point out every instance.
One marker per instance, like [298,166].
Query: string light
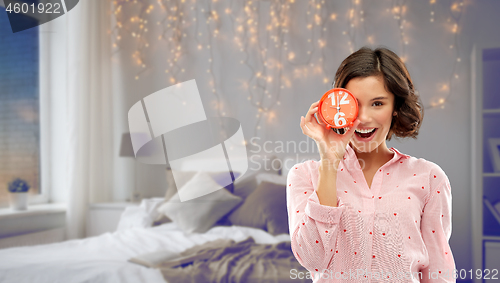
[136,26]
[456,12]
[263,42]
[399,10]
[267,67]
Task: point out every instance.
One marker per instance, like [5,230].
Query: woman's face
[376,107]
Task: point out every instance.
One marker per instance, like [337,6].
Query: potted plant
[18,194]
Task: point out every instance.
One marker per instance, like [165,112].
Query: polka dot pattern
[399,192]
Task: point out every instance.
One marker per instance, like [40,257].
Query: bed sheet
[104,258]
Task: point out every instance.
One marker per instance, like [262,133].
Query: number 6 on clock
[338,108]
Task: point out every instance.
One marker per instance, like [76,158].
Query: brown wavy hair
[383,62]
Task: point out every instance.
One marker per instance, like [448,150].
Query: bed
[105,258]
[248,221]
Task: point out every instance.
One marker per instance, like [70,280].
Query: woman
[365,212]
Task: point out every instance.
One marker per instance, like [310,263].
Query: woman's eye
[380,103]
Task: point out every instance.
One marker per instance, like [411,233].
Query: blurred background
[67,85]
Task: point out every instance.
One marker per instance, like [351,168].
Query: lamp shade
[126,149]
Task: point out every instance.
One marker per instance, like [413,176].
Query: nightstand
[104,217]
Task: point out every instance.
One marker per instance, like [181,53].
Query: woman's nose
[364,115]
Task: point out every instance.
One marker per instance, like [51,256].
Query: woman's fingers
[308,131]
[303,125]
[309,124]
[316,111]
[315,105]
[319,120]
[305,130]
[313,109]
[310,115]
[310,119]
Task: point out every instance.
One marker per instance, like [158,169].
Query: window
[19,107]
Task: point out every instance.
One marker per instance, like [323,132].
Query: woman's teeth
[365,131]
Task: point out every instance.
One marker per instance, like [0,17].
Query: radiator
[37,238]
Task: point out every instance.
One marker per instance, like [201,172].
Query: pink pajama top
[396,231]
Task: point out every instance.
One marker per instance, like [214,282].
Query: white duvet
[104,258]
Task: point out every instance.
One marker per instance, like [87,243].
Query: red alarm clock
[338,108]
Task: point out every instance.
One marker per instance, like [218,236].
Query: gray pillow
[265,208]
[247,183]
[200,214]
[182,178]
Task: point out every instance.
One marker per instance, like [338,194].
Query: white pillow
[200,214]
[150,205]
[140,216]
[134,216]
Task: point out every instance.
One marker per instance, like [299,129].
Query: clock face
[338,108]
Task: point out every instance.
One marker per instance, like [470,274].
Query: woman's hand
[330,144]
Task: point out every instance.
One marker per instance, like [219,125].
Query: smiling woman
[363,206]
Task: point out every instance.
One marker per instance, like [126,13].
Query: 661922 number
[40,8]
